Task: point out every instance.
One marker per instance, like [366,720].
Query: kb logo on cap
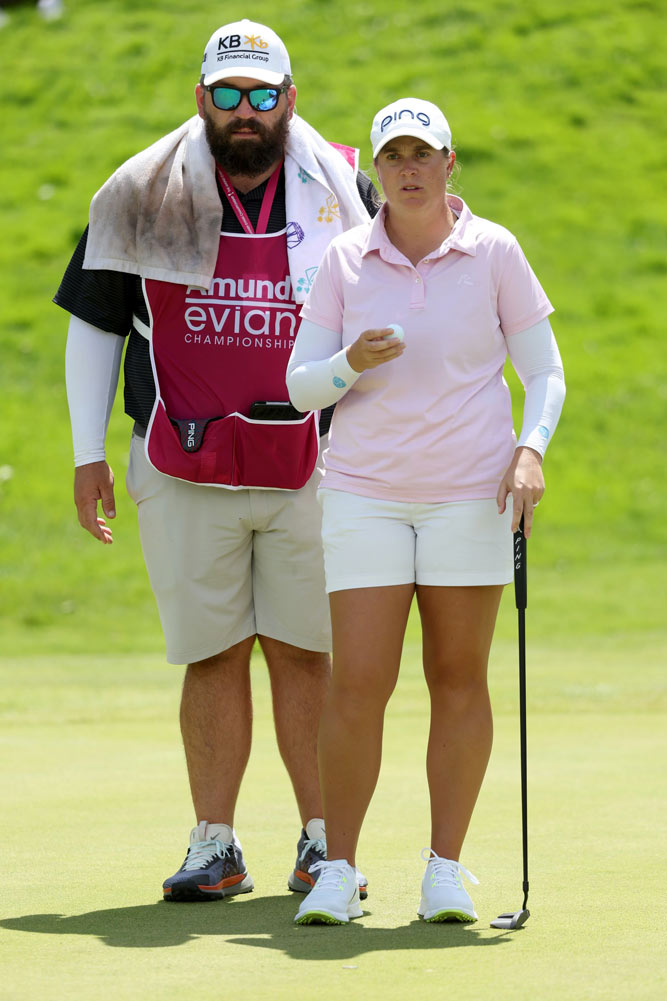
[234,42]
[421,116]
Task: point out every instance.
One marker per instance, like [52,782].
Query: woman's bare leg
[368,630]
[457,627]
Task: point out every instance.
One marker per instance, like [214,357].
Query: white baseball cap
[411,117]
[248,49]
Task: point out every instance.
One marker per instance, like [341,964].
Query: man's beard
[248,157]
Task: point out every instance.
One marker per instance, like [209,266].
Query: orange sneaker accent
[230,881]
[305,876]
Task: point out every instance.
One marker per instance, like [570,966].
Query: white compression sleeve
[536,360]
[92,365]
[318,373]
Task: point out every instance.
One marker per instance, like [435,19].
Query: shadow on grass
[260,922]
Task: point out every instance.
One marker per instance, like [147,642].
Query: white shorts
[228,564]
[377,543]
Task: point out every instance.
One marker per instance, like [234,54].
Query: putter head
[510,921]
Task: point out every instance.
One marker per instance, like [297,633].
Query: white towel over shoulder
[159,215]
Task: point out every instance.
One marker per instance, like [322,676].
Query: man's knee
[283,655]
[233,658]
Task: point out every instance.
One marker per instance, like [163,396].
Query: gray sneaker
[213,867]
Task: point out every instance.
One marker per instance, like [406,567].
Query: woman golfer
[424,483]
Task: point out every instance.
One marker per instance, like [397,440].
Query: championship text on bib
[215,352]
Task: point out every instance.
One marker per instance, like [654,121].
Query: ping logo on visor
[421,116]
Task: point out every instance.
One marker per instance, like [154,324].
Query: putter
[518,918]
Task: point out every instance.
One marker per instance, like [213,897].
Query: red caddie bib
[216,352]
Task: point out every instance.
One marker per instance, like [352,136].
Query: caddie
[200,251]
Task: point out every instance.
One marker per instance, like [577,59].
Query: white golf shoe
[335,897]
[443,895]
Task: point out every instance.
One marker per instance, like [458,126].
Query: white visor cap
[411,117]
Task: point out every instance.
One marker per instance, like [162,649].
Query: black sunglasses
[261,98]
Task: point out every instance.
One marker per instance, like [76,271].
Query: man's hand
[525,481]
[92,483]
[373,348]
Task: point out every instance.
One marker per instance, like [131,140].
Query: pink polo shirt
[435,424]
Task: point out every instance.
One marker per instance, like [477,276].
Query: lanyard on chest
[235,202]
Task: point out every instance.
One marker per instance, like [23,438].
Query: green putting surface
[96,814]
[557,111]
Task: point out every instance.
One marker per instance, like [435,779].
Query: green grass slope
[558,112]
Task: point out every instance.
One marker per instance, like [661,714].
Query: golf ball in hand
[397,331]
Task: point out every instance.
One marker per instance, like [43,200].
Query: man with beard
[201,248]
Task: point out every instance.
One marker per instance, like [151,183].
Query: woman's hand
[371,349]
[525,482]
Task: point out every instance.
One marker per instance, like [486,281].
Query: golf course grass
[559,118]
[96,813]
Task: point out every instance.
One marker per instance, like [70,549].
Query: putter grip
[520,586]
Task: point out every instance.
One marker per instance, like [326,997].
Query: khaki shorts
[228,564]
[377,543]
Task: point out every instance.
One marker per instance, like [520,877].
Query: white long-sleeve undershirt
[536,360]
[318,374]
[318,369]
[92,366]
[93,358]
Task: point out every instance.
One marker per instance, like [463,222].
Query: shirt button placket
[417,297]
